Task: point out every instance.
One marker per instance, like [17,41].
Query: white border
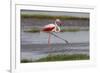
[17,66]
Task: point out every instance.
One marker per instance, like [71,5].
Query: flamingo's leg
[49,40]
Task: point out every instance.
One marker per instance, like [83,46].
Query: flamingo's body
[51,28]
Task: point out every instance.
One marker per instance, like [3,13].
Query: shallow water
[42,38]
[35,45]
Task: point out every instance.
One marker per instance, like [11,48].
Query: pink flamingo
[53,28]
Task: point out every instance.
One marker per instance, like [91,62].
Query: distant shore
[39,16]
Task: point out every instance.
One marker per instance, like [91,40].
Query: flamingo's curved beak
[60,23]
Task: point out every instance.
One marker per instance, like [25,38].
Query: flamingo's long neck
[57,27]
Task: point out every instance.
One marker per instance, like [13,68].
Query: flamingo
[53,28]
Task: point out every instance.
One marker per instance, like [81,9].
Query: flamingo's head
[58,22]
